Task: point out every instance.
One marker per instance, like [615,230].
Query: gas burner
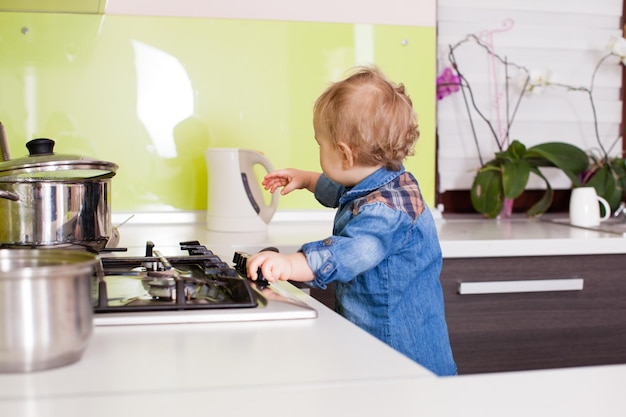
[194,288]
[155,282]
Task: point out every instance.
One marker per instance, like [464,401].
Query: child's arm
[291,179]
[277,266]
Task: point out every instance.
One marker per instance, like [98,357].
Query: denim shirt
[384,259]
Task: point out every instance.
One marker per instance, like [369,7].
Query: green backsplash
[153,93]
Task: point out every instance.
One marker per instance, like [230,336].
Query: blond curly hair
[372,115]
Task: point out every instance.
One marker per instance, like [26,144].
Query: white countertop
[325,366]
[575,392]
[460,235]
[519,236]
[219,367]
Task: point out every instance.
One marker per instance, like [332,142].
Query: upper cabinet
[394,12]
[58,6]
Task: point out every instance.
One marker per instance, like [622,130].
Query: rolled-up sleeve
[327,192]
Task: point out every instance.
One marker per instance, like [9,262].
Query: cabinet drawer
[550,320]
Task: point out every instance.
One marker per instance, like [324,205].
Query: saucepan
[52,200]
[46,311]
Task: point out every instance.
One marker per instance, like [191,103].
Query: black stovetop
[199,280]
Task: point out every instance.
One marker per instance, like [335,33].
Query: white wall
[567,37]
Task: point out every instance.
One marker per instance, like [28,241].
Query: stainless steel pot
[50,200]
[46,310]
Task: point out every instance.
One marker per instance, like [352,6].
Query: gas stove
[196,286]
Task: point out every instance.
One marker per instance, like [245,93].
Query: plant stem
[593,106]
[506,92]
[469,99]
[466,85]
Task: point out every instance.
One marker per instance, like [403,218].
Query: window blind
[565,38]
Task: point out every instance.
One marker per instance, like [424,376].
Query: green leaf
[486,193]
[607,185]
[568,158]
[545,202]
[514,152]
[619,172]
[515,177]
[493,165]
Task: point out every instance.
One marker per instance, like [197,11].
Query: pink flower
[447,83]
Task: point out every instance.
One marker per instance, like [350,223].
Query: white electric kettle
[235,198]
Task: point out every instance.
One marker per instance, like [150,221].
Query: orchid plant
[502,179]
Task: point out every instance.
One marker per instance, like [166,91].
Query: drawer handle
[537,285]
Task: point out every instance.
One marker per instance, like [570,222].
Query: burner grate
[154,283]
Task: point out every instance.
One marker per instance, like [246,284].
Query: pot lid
[43,164]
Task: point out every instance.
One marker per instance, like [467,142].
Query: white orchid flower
[617,47]
[537,80]
[519,80]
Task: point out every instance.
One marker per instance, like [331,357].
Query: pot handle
[9,195]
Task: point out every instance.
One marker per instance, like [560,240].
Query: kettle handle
[247,160]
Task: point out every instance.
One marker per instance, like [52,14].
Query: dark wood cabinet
[542,329]
[533,330]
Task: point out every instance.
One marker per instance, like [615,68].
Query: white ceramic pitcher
[584,207]
[235,198]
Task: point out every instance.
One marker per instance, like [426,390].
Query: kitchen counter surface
[221,368]
[460,235]
[472,236]
[312,367]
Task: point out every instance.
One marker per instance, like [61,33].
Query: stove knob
[149,249]
[269,249]
[261,282]
[236,258]
[240,259]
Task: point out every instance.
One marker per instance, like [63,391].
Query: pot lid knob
[44,165]
[41,146]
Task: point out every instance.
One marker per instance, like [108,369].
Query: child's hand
[274,266]
[287,178]
[290,179]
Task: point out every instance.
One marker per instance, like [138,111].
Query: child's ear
[347,155]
